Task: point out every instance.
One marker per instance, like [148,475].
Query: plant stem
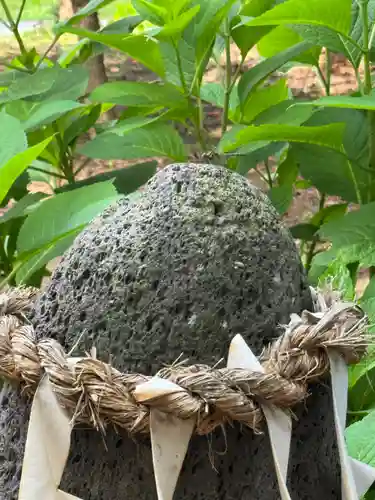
[322,79]
[269,174]
[328,71]
[311,251]
[195,113]
[366,89]
[227,79]
[53,174]
[13,27]
[48,50]
[20,12]
[13,272]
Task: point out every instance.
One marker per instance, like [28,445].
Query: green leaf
[367,301]
[282,38]
[356,32]
[215,94]
[281,197]
[16,165]
[122,26]
[326,135]
[360,439]
[304,232]
[185,62]
[347,102]
[287,171]
[139,94]
[47,112]
[262,99]
[61,214]
[258,155]
[22,207]
[345,176]
[13,138]
[335,14]
[155,140]
[262,70]
[139,47]
[81,124]
[31,85]
[126,180]
[353,236]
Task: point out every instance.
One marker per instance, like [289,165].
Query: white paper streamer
[170,437]
[279,423]
[47,448]
[356,477]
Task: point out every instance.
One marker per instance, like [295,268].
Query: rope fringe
[95,393]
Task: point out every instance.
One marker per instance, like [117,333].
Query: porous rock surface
[198,258]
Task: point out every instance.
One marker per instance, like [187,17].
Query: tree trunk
[95,64]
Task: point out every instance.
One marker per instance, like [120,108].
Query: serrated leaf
[155,140]
[22,207]
[62,214]
[254,76]
[326,135]
[138,94]
[12,169]
[262,99]
[335,14]
[47,112]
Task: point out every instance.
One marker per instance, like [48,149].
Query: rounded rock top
[197,258]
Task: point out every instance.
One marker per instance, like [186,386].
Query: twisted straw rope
[96,393]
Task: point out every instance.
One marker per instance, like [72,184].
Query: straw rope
[96,393]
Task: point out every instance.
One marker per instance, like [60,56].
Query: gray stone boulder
[198,258]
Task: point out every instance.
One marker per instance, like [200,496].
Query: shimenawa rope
[96,393]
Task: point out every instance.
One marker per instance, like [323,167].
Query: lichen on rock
[199,257]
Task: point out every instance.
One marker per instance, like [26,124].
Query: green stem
[227,80]
[20,12]
[13,27]
[311,251]
[328,71]
[53,174]
[195,113]
[366,89]
[269,174]
[322,79]
[48,50]
[359,412]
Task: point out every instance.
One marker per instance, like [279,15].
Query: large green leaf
[155,140]
[327,135]
[139,47]
[22,207]
[17,164]
[138,94]
[49,83]
[262,99]
[346,175]
[356,32]
[62,214]
[335,14]
[13,138]
[179,61]
[360,439]
[126,180]
[255,75]
[347,102]
[353,236]
[281,38]
[281,197]
[47,112]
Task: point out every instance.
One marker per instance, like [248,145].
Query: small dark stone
[198,258]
